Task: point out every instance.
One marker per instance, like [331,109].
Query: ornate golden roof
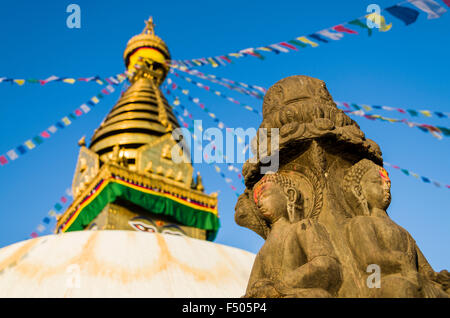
[141,115]
[147,39]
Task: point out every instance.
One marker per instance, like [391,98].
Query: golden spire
[149,27]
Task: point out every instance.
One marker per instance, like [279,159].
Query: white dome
[122,264]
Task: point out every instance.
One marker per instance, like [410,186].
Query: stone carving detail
[323,213]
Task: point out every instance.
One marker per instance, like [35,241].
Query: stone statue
[323,212]
[302,250]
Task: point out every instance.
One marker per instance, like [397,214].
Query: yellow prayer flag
[69,80]
[426,113]
[217,168]
[380,22]
[213,63]
[235,54]
[304,39]
[415,175]
[29,144]
[95,100]
[367,107]
[19,82]
[99,82]
[66,121]
[263,48]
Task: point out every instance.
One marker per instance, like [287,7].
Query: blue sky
[406,67]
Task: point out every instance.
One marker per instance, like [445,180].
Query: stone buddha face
[376,188]
[276,197]
[366,188]
[271,201]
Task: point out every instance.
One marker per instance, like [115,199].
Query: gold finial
[149,26]
[82,141]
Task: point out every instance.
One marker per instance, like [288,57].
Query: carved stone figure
[304,264]
[323,212]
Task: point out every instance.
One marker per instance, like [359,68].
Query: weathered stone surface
[323,213]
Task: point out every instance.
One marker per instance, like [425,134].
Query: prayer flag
[375,17]
[66,121]
[29,144]
[331,35]
[362,25]
[34,235]
[288,46]
[304,39]
[341,28]
[69,80]
[425,179]
[12,155]
[21,149]
[46,220]
[318,38]
[38,140]
[431,7]
[298,43]
[405,14]
[19,82]
[45,134]
[3,160]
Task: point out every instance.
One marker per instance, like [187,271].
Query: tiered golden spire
[142,113]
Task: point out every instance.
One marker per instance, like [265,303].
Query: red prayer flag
[45,134]
[341,28]
[63,199]
[34,234]
[223,57]
[401,110]
[3,160]
[78,112]
[288,46]
[201,105]
[447,2]
[232,187]
[346,105]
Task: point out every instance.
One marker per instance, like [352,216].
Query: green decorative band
[185,211]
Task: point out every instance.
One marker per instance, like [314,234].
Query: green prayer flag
[297,43]
[445,131]
[72,116]
[38,140]
[412,112]
[58,207]
[362,25]
[405,171]
[356,106]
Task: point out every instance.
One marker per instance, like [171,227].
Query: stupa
[140,225]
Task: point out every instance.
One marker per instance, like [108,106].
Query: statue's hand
[263,288]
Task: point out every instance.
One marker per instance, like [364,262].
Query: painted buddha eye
[140,226]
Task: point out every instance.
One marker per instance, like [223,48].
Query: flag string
[216,92]
[53,78]
[37,140]
[52,214]
[419,177]
[436,131]
[406,14]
